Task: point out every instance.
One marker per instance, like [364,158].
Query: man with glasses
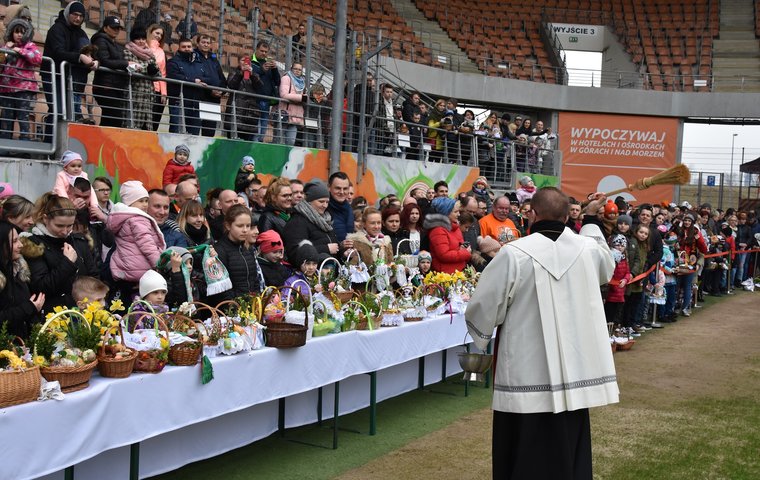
[63,43]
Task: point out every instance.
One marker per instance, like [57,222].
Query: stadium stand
[670,40]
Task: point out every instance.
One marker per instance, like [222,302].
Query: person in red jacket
[177,166]
[613,307]
[447,246]
[693,243]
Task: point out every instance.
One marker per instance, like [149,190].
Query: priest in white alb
[552,355]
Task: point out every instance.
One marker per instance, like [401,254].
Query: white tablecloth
[179,420]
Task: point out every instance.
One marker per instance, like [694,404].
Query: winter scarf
[197,235]
[321,221]
[217,277]
[144,54]
[299,83]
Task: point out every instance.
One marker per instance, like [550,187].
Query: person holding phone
[265,68]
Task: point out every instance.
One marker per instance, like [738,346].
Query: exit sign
[573,39]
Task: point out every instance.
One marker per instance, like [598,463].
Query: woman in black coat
[56,256]
[110,88]
[246,107]
[18,307]
[309,228]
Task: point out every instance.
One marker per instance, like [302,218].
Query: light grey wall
[534,95]
[616,59]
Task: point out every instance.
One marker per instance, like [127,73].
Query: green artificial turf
[399,421]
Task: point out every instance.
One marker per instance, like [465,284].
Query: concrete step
[727,34]
[736,45]
[739,20]
[720,62]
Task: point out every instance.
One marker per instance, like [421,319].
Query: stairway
[737,54]
[434,37]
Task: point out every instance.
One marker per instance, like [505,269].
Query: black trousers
[542,446]
[112,106]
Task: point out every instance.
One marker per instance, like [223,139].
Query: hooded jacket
[18,73]
[63,43]
[173,171]
[371,252]
[445,244]
[15,306]
[139,242]
[246,106]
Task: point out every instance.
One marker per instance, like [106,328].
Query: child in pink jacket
[139,241]
[18,85]
[73,164]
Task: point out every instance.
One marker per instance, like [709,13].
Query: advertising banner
[604,152]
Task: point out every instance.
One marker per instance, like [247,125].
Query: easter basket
[115,361]
[152,348]
[70,378]
[184,350]
[19,386]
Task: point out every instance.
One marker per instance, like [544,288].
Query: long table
[177,420]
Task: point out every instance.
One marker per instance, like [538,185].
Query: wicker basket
[19,386]
[344,297]
[413,319]
[377,320]
[111,367]
[148,361]
[71,379]
[285,335]
[624,347]
[184,354]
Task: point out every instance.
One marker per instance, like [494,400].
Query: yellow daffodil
[39,360]
[13,360]
[116,306]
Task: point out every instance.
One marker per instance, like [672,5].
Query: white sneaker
[686,312]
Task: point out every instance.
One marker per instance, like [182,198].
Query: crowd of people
[128,84]
[265,234]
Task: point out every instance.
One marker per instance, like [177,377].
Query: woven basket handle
[55,317]
[366,312]
[107,335]
[322,266]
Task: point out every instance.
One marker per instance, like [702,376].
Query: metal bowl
[475,362]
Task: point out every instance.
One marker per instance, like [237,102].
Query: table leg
[134,461]
[421,374]
[373,403]
[336,413]
[281,417]
[68,473]
[443,366]
[319,406]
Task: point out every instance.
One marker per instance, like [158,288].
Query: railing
[31,113]
[239,117]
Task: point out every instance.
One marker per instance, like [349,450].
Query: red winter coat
[172,172]
[446,244]
[616,293]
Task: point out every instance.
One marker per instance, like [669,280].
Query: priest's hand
[597,200]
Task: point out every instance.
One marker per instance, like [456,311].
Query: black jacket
[275,274]
[241,266]
[300,235]
[246,107]
[15,306]
[396,238]
[214,75]
[270,220]
[63,43]
[52,273]
[110,55]
[270,79]
[186,67]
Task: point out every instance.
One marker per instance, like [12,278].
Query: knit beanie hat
[75,7]
[182,148]
[443,205]
[151,281]
[625,219]
[482,180]
[248,160]
[132,191]
[618,240]
[610,208]
[424,256]
[488,245]
[269,241]
[315,190]
[6,190]
[524,181]
[68,157]
[689,216]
